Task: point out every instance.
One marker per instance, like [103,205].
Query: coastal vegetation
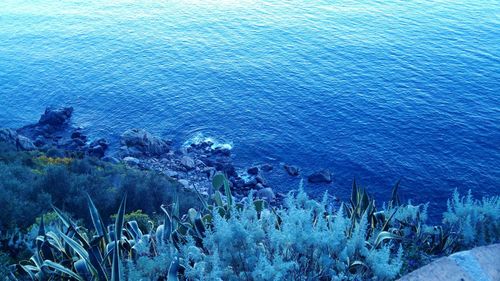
[72,217]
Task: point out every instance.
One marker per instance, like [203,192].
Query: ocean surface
[372,90]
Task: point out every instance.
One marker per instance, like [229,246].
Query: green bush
[31,181]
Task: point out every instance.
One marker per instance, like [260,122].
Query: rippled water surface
[377,90]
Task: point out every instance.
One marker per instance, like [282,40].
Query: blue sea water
[376,90]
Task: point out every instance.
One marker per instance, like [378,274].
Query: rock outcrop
[12,137]
[140,143]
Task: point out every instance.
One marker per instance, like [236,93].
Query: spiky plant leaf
[394,195]
[227,191]
[173,270]
[115,270]
[96,218]
[58,268]
[134,230]
[383,236]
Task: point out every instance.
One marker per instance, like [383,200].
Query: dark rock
[97,148]
[239,183]
[97,151]
[209,171]
[79,142]
[144,142]
[40,141]
[56,117]
[323,176]
[77,134]
[208,162]
[224,165]
[253,171]
[292,170]
[204,145]
[222,151]
[100,142]
[259,186]
[261,180]
[266,167]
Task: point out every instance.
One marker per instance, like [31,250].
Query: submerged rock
[292,170]
[323,176]
[266,167]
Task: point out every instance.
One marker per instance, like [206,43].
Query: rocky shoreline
[193,166]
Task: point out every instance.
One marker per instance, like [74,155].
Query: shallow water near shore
[373,90]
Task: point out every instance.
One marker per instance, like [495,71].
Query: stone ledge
[478,264]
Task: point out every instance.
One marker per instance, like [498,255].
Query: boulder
[78,142]
[144,142]
[25,143]
[253,171]
[259,186]
[172,174]
[97,148]
[323,176]
[131,161]
[184,183]
[13,138]
[222,151]
[100,142]
[8,136]
[251,183]
[261,180]
[266,194]
[188,162]
[239,183]
[292,170]
[56,117]
[40,141]
[96,151]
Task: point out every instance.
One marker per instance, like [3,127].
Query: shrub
[28,188]
[143,220]
[476,222]
[5,262]
[302,241]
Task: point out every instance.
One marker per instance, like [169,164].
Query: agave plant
[70,254]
